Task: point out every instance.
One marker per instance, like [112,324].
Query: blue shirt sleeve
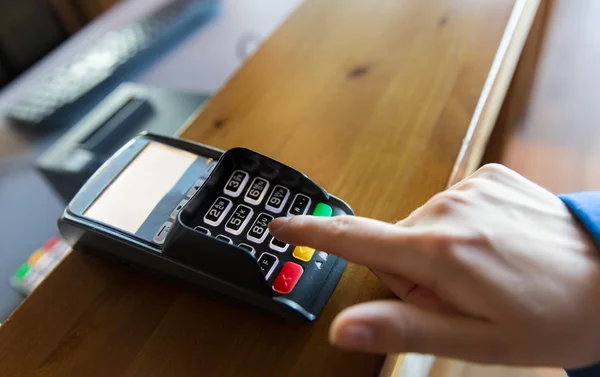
[593,371]
[585,206]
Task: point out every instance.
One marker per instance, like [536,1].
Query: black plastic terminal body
[194,257]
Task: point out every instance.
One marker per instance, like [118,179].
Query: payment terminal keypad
[239,212]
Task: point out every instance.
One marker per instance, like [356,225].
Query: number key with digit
[259,230]
[218,211]
[236,183]
[239,219]
[277,199]
[257,191]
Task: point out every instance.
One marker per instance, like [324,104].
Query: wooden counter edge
[495,89]
[474,144]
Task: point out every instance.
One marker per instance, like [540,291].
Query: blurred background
[80,77]
[92,73]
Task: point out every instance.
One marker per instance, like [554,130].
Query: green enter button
[323,210]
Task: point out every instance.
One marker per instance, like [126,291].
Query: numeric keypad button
[277,245]
[223,238]
[202,230]
[239,219]
[236,183]
[257,191]
[248,248]
[300,205]
[267,263]
[218,211]
[276,201]
[260,228]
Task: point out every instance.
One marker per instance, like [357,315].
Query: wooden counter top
[383,103]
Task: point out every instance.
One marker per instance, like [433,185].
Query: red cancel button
[287,278]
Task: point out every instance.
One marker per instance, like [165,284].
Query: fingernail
[278,223]
[353,336]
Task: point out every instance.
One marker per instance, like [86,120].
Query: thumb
[395,327]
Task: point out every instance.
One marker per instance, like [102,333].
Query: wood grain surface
[372,100]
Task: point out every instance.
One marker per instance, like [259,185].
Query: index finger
[368,242]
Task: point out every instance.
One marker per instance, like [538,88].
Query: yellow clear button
[35,257]
[304,253]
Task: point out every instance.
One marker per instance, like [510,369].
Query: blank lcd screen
[128,201]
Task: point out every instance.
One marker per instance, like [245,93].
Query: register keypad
[241,214]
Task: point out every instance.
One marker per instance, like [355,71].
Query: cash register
[201,215]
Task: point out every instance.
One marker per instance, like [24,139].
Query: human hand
[493,270]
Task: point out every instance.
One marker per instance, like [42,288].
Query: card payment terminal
[200,215]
